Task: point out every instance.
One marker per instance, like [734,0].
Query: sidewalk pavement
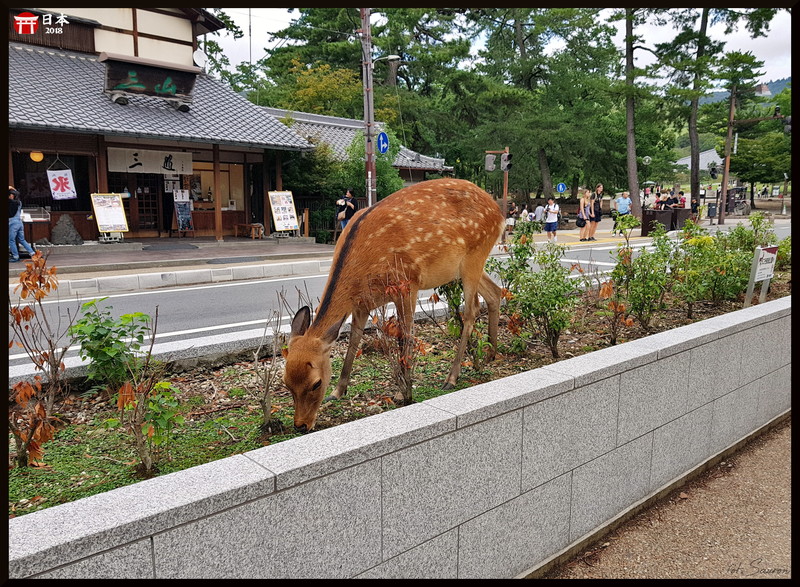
[103,268]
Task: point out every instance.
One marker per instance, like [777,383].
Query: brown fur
[427,234]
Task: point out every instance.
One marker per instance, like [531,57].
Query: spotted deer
[424,235]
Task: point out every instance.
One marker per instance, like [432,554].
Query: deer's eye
[317,385]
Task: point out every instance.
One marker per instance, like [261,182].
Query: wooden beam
[265,195]
[217,195]
[102,165]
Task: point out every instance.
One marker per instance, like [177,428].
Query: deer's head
[307,372]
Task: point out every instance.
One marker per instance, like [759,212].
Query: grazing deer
[422,236]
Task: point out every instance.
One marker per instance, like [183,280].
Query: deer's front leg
[356,333]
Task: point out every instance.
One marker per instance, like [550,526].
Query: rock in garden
[64,232]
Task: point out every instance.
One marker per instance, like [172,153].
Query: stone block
[652,395]
[129,561]
[568,430]
[607,362]
[155,280]
[222,274]
[83,286]
[248,272]
[607,486]
[678,340]
[776,394]
[508,540]
[715,369]
[326,451]
[100,522]
[193,276]
[115,283]
[735,415]
[435,559]
[487,400]
[680,445]
[433,487]
[326,528]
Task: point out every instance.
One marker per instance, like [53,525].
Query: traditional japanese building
[115,100]
[340,132]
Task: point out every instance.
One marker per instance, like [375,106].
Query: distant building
[706,159]
[763,91]
[339,133]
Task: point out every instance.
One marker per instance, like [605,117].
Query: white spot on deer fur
[460,240]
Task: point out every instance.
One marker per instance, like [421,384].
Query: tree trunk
[544,168]
[694,141]
[630,109]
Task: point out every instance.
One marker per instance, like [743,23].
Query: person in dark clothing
[345,209]
[16,230]
[672,202]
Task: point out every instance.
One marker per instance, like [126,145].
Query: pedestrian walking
[538,213]
[622,206]
[551,221]
[584,213]
[16,230]
[511,217]
[346,207]
[597,211]
[695,208]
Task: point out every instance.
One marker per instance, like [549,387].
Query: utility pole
[369,109]
[505,166]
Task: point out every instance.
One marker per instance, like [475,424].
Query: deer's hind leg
[471,276]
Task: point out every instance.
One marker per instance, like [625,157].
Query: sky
[774,49]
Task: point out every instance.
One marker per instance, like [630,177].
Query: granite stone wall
[490,481]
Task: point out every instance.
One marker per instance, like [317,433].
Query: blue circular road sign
[562,187]
[383,142]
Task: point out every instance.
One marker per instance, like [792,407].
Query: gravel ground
[733,521]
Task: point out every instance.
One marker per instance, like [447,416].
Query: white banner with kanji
[61,185]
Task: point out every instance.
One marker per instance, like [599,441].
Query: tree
[690,56]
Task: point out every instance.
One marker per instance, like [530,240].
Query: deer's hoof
[330,398]
[447,385]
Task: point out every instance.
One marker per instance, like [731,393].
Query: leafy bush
[784,260]
[545,298]
[730,272]
[111,345]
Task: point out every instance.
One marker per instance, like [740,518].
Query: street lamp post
[367,66]
[646,161]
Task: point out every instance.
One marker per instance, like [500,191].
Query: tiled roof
[706,157]
[339,134]
[55,90]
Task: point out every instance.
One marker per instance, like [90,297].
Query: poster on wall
[109,213]
[283,212]
[61,185]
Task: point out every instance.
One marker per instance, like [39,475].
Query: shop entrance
[144,208]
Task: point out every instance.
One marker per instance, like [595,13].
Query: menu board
[283,212]
[109,213]
[183,216]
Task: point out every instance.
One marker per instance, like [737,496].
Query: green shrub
[784,260]
[545,298]
[111,345]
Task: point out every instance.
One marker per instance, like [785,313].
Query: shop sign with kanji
[61,184]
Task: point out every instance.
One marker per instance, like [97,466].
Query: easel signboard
[283,211]
[182,220]
[109,213]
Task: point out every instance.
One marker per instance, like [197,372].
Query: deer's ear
[301,321]
[333,332]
